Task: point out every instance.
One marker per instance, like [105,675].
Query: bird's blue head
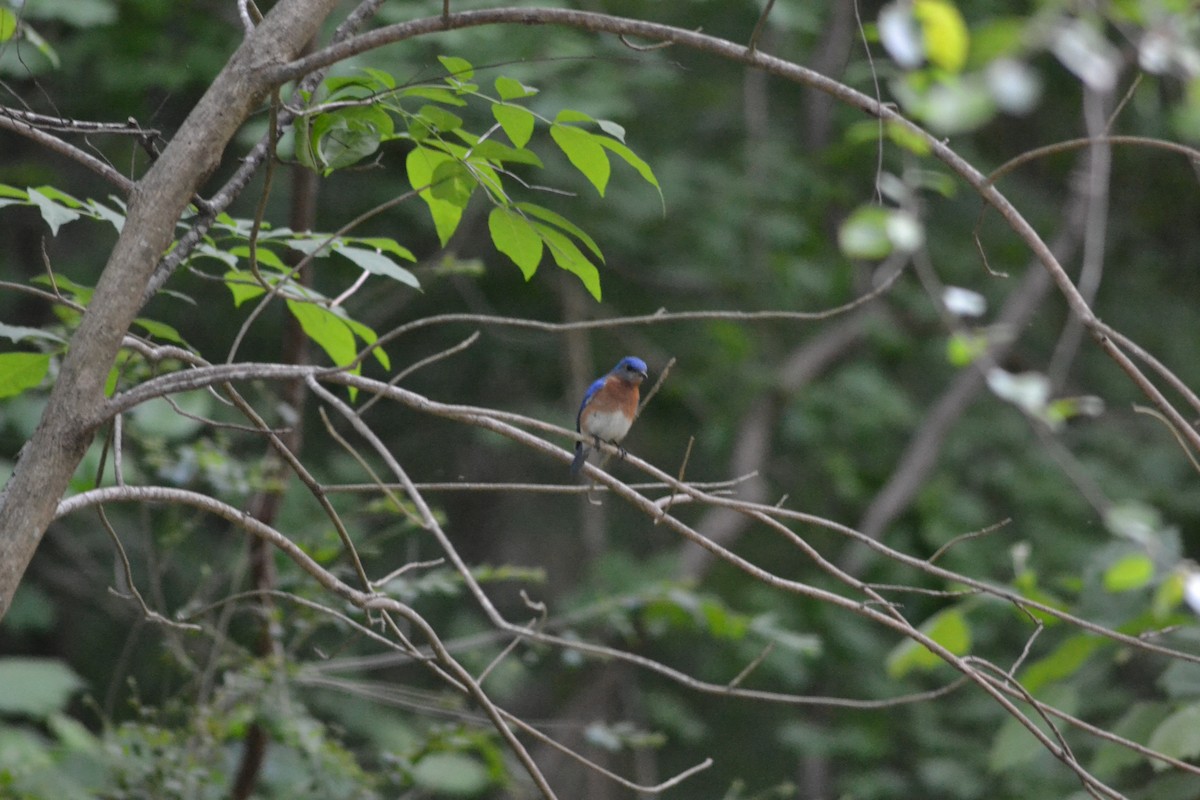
[630,368]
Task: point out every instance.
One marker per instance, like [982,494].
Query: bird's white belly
[610,426]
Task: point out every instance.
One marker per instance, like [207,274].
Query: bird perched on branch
[609,407]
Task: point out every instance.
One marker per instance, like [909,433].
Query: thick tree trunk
[71,417]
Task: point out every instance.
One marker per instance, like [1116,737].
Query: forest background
[908,513]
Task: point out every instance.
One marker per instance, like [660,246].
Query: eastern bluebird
[608,407]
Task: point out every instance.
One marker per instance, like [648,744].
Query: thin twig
[758,26]
[1191,457]
[963,537]
[396,573]
[362,462]
[424,362]
[130,588]
[753,665]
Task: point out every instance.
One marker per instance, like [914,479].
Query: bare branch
[498,422]
[56,145]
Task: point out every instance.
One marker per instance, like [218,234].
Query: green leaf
[305,149]
[347,136]
[53,212]
[266,257]
[78,292]
[1026,583]
[384,79]
[60,197]
[8,24]
[101,211]
[1178,736]
[349,87]
[481,173]
[438,94]
[369,336]
[1131,572]
[583,150]
[1063,662]
[327,329]
[864,234]
[948,628]
[19,333]
[945,33]
[439,119]
[453,183]
[451,774]
[378,264]
[631,158]
[512,89]
[571,258]
[43,47]
[1168,596]
[964,347]
[21,371]
[1062,409]
[159,330]
[516,237]
[386,245]
[905,137]
[723,622]
[36,687]
[546,215]
[495,152]
[206,250]
[318,245]
[458,68]
[420,165]
[568,115]
[516,121]
[243,285]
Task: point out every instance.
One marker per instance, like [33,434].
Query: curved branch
[57,145]
[490,420]
[892,620]
[499,422]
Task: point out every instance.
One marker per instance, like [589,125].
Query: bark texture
[156,202]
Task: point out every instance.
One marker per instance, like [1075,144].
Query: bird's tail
[581,454]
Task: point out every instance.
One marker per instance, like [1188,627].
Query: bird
[609,407]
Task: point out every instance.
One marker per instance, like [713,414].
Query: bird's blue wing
[587,398]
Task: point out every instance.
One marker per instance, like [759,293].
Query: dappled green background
[757,175]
